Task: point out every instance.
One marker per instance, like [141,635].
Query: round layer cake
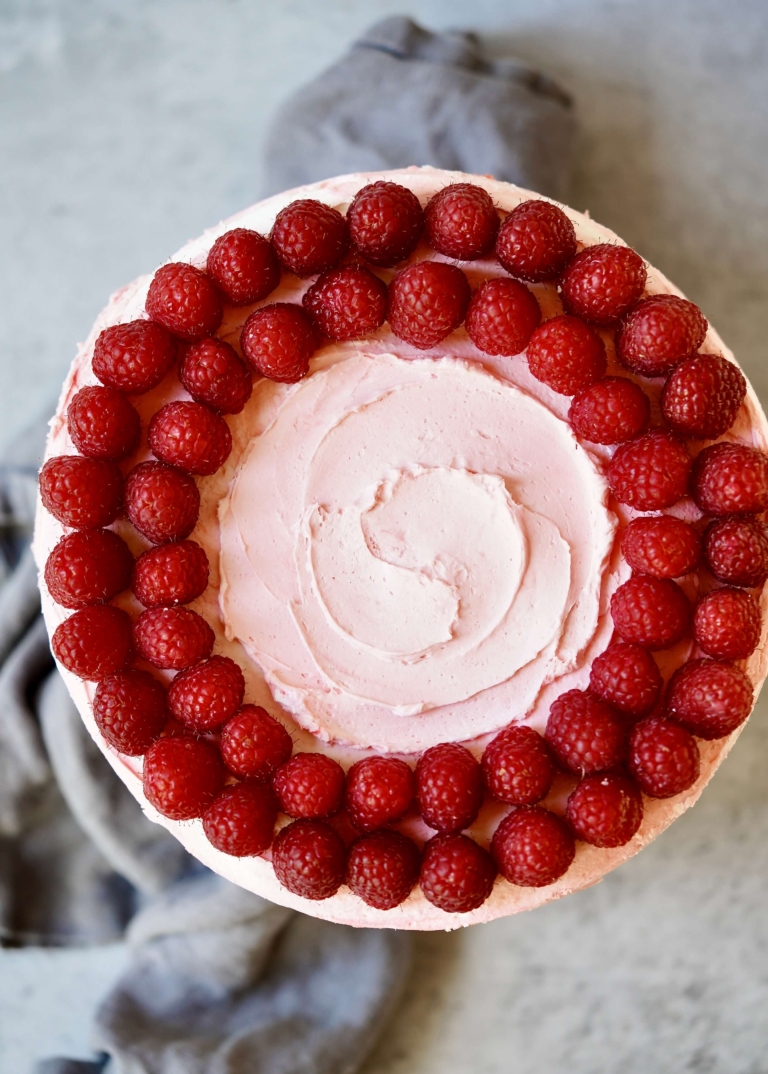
[442,482]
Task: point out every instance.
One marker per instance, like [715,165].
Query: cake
[401,547]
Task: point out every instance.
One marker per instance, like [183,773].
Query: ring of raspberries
[210,754]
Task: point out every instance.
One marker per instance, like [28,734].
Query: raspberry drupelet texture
[533,847]
[449,787]
[93,642]
[171,574]
[182,299]
[605,810]
[736,551]
[309,237]
[610,411]
[254,744]
[244,266]
[702,396]
[651,472]
[190,436]
[241,821]
[205,696]
[133,357]
[652,612]
[603,282]
[182,776]
[566,355]
[103,424]
[347,302]
[174,638]
[162,503]
[502,316]
[130,710]
[627,677]
[536,241]
[309,859]
[427,301]
[385,223]
[382,868]
[661,545]
[517,767]
[81,493]
[278,341]
[730,479]
[88,567]
[710,698]
[726,624]
[310,785]
[461,222]
[663,757]
[379,790]
[212,373]
[660,332]
[456,875]
[586,735]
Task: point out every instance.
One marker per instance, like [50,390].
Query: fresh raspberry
[517,766]
[254,744]
[736,551]
[702,396]
[532,847]
[244,266]
[190,436]
[278,341]
[709,698]
[730,479]
[310,237]
[661,545]
[660,332]
[172,638]
[133,357]
[726,624]
[566,355]
[651,472]
[586,735]
[502,316]
[610,411]
[379,790]
[88,567]
[605,810]
[603,282]
[94,642]
[449,787]
[103,424]
[212,373]
[182,299]
[162,503]
[171,574]
[536,241]
[130,710]
[627,677]
[241,821]
[81,493]
[663,757]
[427,301]
[456,874]
[652,612]
[309,859]
[382,869]
[347,303]
[385,223]
[182,776]
[310,785]
[208,694]
[461,222]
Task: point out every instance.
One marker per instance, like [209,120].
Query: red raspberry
[663,757]
[652,612]
[727,624]
[172,638]
[190,436]
[133,357]
[603,282]
[171,574]
[627,677]
[449,787]
[586,735]
[244,266]
[103,424]
[254,744]
[709,698]
[81,493]
[182,299]
[130,710]
[94,642]
[456,874]
[651,472]
[566,355]
[532,847]
[278,341]
[385,223]
[310,785]
[241,821]
[427,301]
[208,694]
[462,222]
[661,545]
[182,776]
[660,332]
[536,241]
[517,766]
[212,373]
[310,237]
[502,316]
[162,503]
[606,810]
[347,303]
[736,551]
[730,479]
[610,411]
[379,790]
[702,396]
[382,869]
[88,567]
[309,859]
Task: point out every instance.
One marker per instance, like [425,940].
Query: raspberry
[606,810]
[532,847]
[736,551]
[310,785]
[94,642]
[610,411]
[730,479]
[133,357]
[652,612]
[88,567]
[190,436]
[172,638]
[449,787]
[182,776]
[254,744]
[382,869]
[661,545]
[627,677]
[212,373]
[310,237]
[241,821]
[309,859]
[244,266]
[461,222]
[517,766]
[81,493]
[162,503]
[536,241]
[702,396]
[566,355]
[379,790]
[709,698]
[103,424]
[347,303]
[130,710]
[456,874]
[660,332]
[663,757]
[182,299]
[651,472]
[278,341]
[586,735]
[171,574]
[726,624]
[204,697]
[427,301]
[502,317]
[603,282]
[385,223]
